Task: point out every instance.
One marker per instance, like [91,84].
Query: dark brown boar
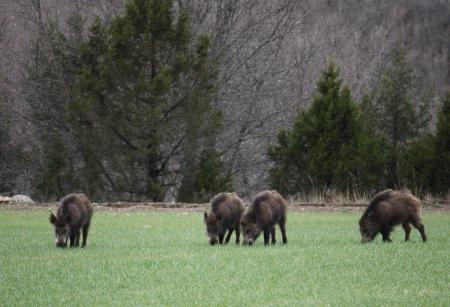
[74,214]
[267,209]
[388,209]
[225,215]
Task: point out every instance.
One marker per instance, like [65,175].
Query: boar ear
[52,218]
[205,216]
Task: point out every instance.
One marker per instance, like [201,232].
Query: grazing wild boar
[267,209]
[388,209]
[74,214]
[225,214]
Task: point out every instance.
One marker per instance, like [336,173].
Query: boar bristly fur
[388,209]
[267,209]
[225,215]
[73,215]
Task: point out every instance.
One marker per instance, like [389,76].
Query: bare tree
[270,53]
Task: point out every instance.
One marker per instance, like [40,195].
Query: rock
[21,199]
[4,199]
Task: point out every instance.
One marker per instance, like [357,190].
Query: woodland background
[177,100]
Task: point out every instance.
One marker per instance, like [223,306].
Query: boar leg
[407,229]
[85,234]
[273,235]
[227,239]
[418,224]
[238,233]
[385,232]
[77,238]
[72,238]
[221,238]
[266,236]
[283,231]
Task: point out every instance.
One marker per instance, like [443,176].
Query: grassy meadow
[142,258]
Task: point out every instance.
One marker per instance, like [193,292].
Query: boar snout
[248,242]
[212,241]
[365,239]
[61,244]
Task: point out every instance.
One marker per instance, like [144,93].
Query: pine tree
[142,95]
[53,67]
[399,111]
[428,158]
[58,177]
[420,164]
[209,177]
[7,152]
[442,148]
[327,145]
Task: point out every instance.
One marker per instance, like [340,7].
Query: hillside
[270,56]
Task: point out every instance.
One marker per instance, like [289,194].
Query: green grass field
[148,258]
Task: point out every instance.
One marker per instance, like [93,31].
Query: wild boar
[225,215]
[74,214]
[388,209]
[267,209]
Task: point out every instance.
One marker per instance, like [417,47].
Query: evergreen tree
[442,153]
[7,152]
[428,158]
[143,95]
[420,164]
[53,67]
[58,176]
[398,110]
[209,177]
[327,145]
